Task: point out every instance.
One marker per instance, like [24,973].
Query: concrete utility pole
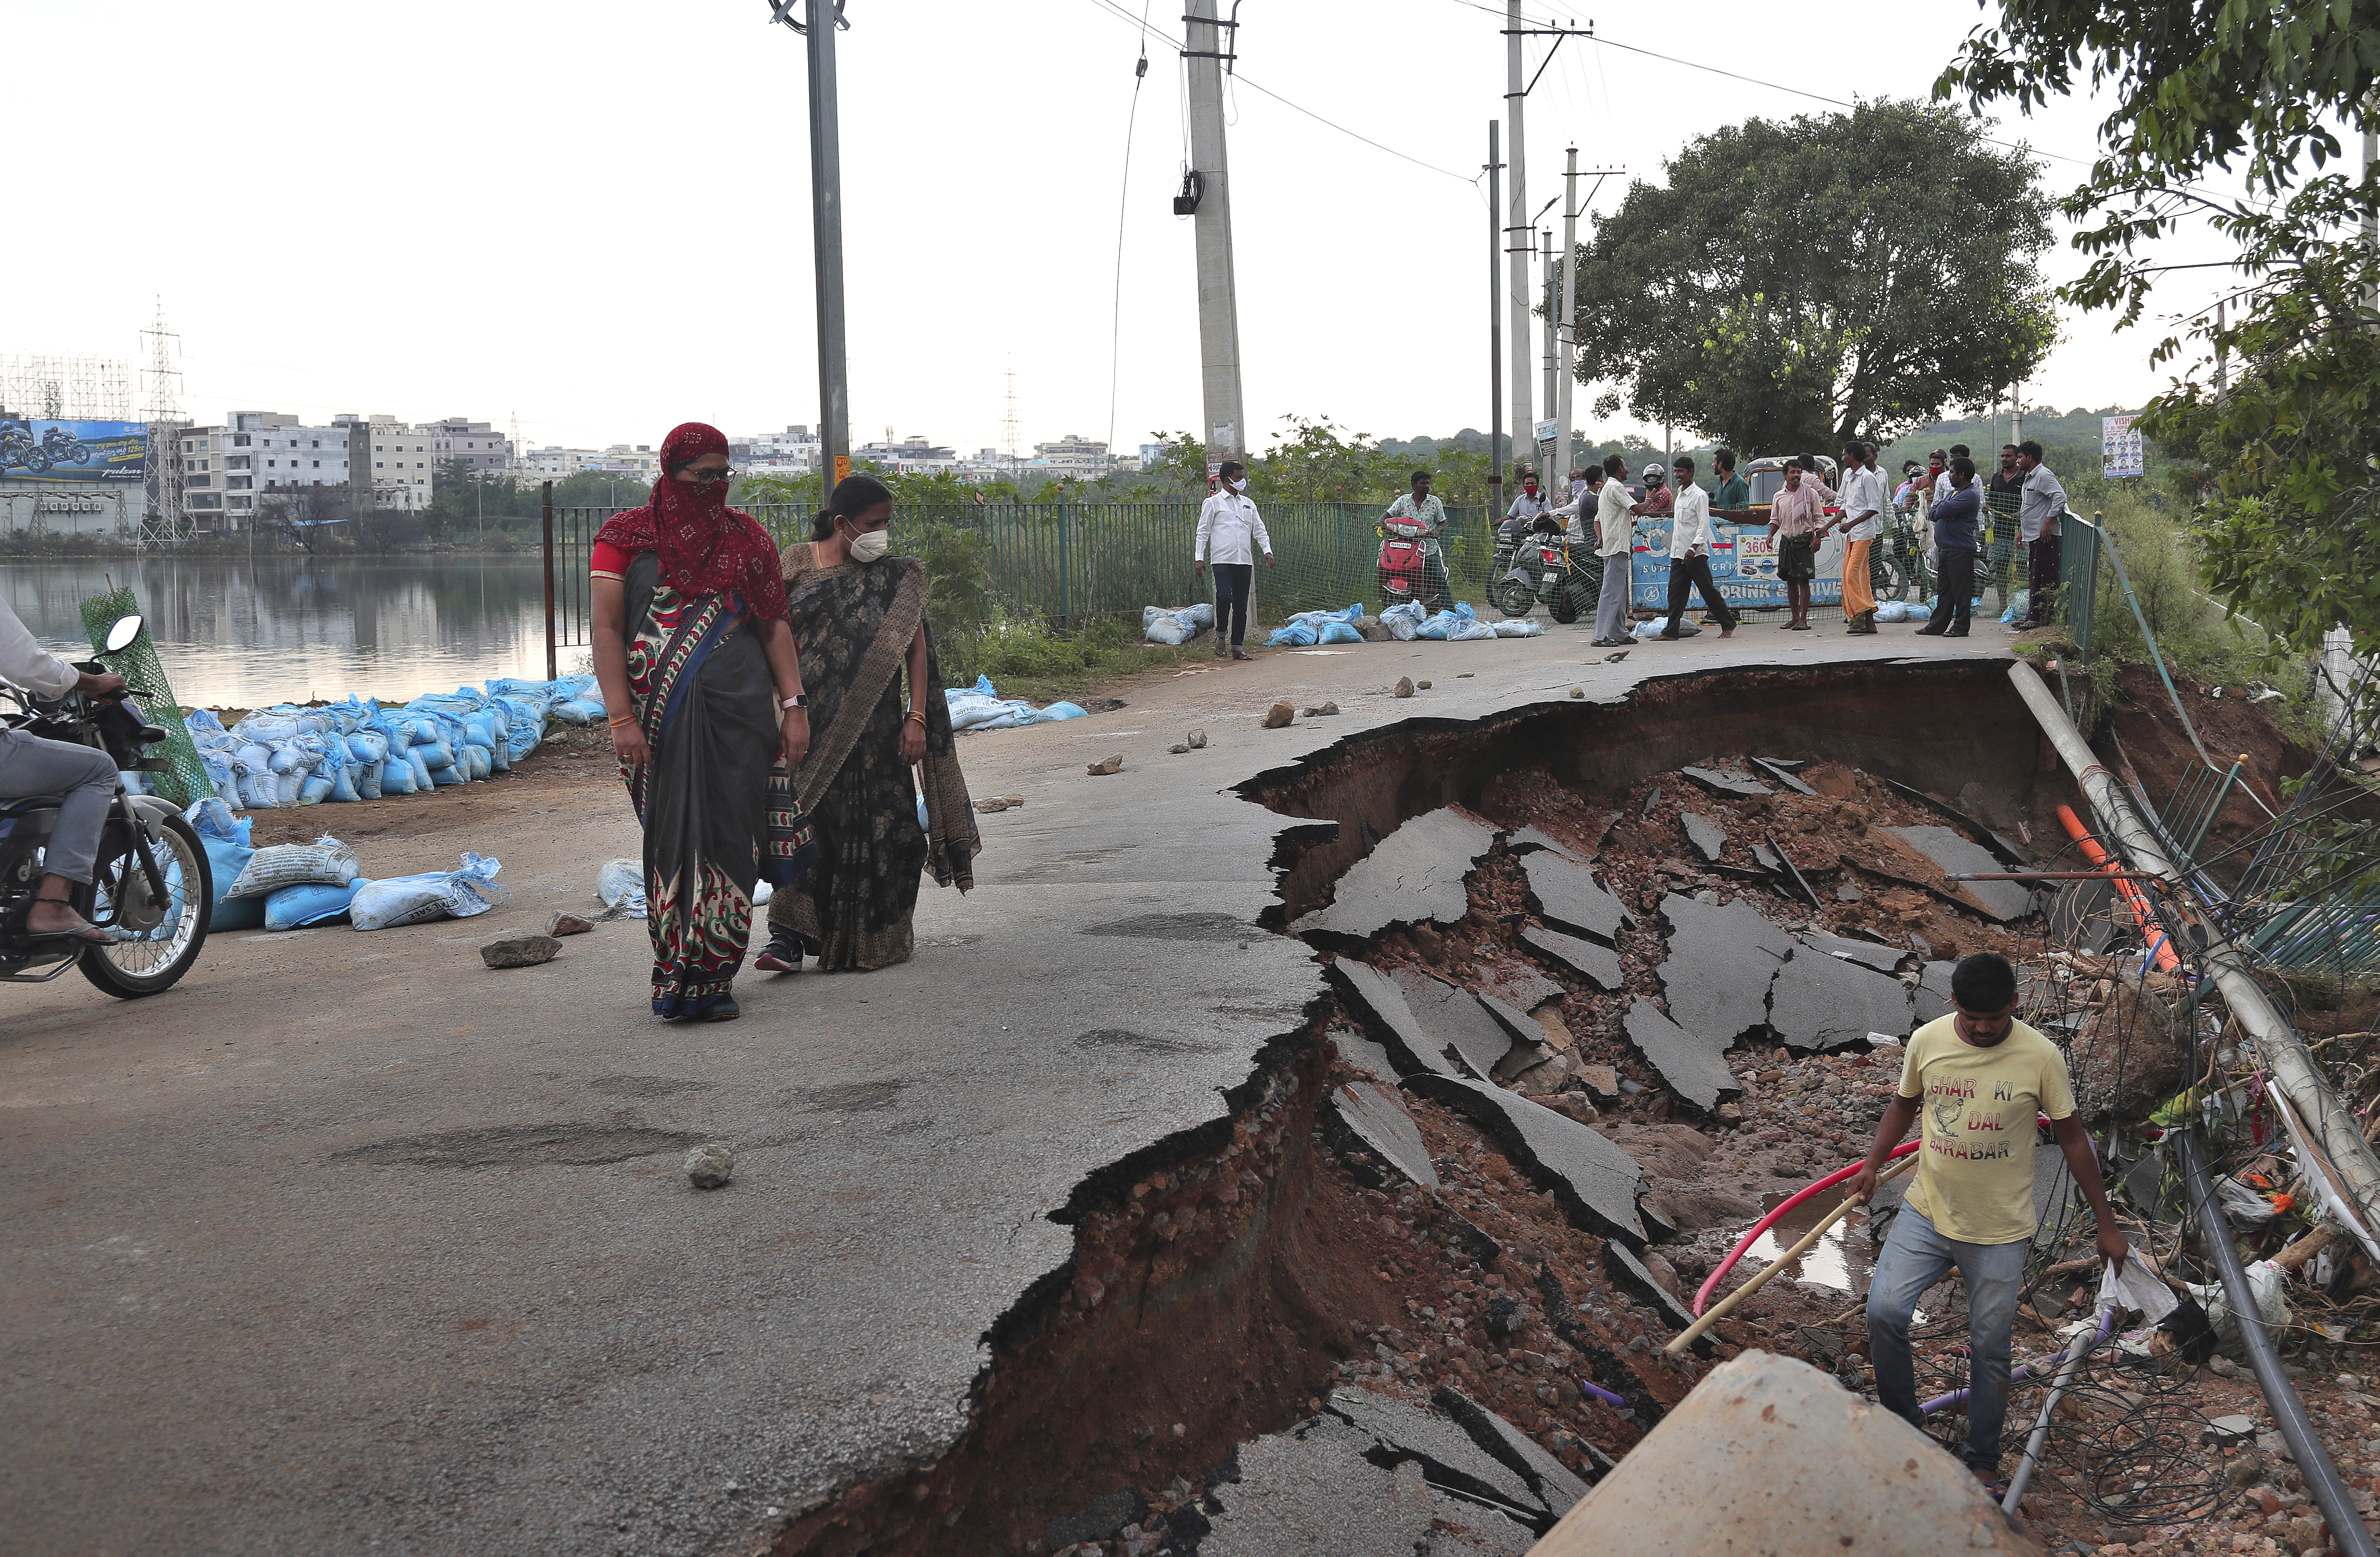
[1567,353]
[1547,290]
[1517,230]
[1218,309]
[1495,336]
[826,232]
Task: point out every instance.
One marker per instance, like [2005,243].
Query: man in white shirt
[1231,528]
[1423,508]
[1615,542]
[2040,503]
[84,777]
[1691,536]
[1863,504]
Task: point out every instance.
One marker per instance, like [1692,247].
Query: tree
[1799,283]
[2292,515]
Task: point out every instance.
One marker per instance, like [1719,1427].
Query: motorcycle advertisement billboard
[36,449]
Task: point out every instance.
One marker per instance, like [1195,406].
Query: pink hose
[1719,1273]
[1702,1294]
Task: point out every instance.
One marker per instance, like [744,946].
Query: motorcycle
[63,447]
[151,882]
[16,447]
[1404,564]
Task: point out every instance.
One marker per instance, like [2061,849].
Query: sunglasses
[705,477]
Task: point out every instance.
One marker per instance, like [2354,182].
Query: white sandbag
[326,861]
[417,899]
[621,886]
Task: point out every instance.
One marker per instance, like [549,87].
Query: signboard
[842,469]
[2121,453]
[74,453]
[1743,565]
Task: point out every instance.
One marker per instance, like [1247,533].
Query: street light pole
[826,230]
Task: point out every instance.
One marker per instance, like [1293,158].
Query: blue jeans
[1917,1257]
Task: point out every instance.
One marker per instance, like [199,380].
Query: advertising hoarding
[1743,565]
[37,449]
[2121,450]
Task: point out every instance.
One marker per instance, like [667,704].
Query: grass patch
[1026,656]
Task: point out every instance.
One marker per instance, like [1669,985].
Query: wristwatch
[798,700]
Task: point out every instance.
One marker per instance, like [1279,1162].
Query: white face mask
[1236,485]
[869,545]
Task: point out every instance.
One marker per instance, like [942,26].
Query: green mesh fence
[184,776]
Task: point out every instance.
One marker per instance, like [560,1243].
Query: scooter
[1403,563]
[151,882]
[1514,567]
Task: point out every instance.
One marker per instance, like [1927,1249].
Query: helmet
[1656,474]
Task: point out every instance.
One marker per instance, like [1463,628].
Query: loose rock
[1196,740]
[1279,714]
[520,951]
[1404,687]
[709,1165]
[1106,765]
[1424,685]
[1322,712]
[1578,691]
[1177,749]
[567,923]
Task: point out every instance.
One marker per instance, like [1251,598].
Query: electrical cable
[1124,206]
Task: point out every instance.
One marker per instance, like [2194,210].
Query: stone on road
[520,951]
[710,1167]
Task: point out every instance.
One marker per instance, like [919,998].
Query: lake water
[241,633]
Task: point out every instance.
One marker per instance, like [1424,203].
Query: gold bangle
[918,715]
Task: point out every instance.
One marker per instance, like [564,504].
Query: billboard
[36,449]
[2120,450]
[1743,565]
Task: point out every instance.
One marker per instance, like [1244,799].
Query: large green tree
[2262,93]
[1801,282]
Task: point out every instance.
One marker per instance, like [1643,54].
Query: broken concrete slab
[1523,1029]
[2001,847]
[1364,1055]
[1726,781]
[1864,1480]
[1595,1182]
[1867,954]
[1692,1065]
[1783,775]
[1450,1459]
[1376,1117]
[1596,964]
[1708,837]
[1374,1000]
[1933,992]
[1556,1485]
[1315,1490]
[1529,839]
[1767,859]
[1453,1016]
[1722,958]
[1824,1003]
[1569,898]
[1412,875]
[1516,983]
[1956,854]
[1629,1274]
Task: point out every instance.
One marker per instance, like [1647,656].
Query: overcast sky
[596,217]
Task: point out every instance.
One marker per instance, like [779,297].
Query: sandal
[81,930]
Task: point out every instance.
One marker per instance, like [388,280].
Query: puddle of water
[1841,1258]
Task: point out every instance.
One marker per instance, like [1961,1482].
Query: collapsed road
[348,1241]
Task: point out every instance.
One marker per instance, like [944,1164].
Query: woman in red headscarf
[699,672]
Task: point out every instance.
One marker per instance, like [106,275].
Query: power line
[1123,205]
[1241,77]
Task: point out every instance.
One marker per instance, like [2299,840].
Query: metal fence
[1069,563]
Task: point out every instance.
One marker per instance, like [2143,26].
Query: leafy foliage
[1780,297]
[2290,519]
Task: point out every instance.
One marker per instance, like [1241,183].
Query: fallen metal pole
[2284,1054]
[2348,1532]
[2081,1347]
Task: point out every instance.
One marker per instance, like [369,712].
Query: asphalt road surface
[351,1242]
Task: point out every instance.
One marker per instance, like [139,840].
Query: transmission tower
[167,521]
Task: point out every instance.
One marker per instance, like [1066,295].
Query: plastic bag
[1892,610]
[1161,625]
[1296,635]
[210,817]
[2136,1289]
[1520,627]
[1340,633]
[1658,625]
[294,907]
[1438,628]
[417,899]
[1469,629]
[2019,607]
[1403,619]
[2267,1284]
[621,886]
[325,861]
[1053,713]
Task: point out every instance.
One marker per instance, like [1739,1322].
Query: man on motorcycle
[1425,509]
[84,777]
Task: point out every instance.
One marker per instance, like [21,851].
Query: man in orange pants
[1862,501]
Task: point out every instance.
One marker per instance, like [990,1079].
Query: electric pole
[1567,353]
[1495,336]
[826,232]
[1210,196]
[1516,231]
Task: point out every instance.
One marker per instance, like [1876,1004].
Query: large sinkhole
[1424,1272]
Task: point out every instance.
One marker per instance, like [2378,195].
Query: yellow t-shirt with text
[1976,1109]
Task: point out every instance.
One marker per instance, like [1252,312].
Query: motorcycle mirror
[120,636]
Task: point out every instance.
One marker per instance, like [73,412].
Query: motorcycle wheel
[131,969]
[1564,604]
[81,455]
[1515,598]
[36,460]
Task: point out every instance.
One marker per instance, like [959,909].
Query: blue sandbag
[294,907]
[420,766]
[225,860]
[397,778]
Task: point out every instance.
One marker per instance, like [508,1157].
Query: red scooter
[1403,572]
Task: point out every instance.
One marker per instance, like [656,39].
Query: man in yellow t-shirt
[1975,1079]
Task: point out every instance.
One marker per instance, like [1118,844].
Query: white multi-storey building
[1074,455]
[396,462]
[478,445]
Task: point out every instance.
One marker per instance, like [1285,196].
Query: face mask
[869,546]
[1236,485]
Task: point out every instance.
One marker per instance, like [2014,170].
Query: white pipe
[2277,1043]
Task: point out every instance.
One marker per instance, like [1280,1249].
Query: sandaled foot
[63,923]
